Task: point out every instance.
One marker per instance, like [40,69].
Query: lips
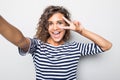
[56,34]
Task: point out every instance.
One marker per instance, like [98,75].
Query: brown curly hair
[42,29]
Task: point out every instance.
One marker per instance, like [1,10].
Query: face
[55,22]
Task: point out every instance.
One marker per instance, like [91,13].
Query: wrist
[80,30]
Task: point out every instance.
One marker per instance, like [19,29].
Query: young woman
[53,56]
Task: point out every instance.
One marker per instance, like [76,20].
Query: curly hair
[42,29]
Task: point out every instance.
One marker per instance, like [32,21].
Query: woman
[53,56]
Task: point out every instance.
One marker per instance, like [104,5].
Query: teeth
[56,32]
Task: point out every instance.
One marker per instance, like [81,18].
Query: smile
[56,32]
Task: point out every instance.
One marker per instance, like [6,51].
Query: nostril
[56,27]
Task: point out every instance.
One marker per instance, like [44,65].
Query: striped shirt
[58,62]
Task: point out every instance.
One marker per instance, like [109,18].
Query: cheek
[63,32]
[49,28]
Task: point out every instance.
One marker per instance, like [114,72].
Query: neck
[55,43]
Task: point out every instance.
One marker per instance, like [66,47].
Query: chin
[57,40]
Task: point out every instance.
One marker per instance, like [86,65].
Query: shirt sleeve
[32,47]
[89,49]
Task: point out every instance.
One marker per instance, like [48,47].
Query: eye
[50,23]
[60,22]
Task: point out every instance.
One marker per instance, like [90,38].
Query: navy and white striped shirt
[58,63]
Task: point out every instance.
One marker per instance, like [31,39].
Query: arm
[13,35]
[100,41]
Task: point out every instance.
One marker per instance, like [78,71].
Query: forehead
[56,16]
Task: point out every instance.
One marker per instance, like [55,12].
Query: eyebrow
[60,20]
[57,20]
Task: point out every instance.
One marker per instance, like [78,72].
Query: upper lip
[56,32]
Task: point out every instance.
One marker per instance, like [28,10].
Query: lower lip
[56,35]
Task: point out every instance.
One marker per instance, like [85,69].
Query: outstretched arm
[100,41]
[13,35]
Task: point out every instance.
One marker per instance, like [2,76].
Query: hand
[75,25]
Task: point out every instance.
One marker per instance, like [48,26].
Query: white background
[99,16]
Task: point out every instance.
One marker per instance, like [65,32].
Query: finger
[76,23]
[67,20]
[65,27]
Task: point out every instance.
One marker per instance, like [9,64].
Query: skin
[77,27]
[56,31]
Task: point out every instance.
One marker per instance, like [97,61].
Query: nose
[55,27]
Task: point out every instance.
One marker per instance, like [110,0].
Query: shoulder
[72,44]
[80,44]
[35,40]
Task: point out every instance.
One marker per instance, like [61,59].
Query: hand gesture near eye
[75,25]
